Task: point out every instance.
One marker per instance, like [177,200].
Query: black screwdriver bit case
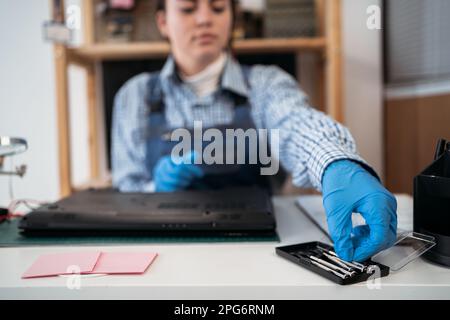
[289,253]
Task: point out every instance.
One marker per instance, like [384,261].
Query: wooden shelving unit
[160,49]
[327,45]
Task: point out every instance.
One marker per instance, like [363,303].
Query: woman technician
[201,81]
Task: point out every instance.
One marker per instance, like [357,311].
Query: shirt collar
[169,70]
[232,77]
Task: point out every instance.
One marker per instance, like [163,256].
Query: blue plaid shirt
[309,139]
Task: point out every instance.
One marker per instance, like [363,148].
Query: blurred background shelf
[111,51]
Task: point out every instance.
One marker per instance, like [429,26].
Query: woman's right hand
[170,175]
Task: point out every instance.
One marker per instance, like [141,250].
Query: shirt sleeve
[309,140]
[128,143]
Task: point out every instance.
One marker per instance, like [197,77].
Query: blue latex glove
[347,187]
[169,176]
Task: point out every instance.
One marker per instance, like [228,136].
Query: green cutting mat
[10,237]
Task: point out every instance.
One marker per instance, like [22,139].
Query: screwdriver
[353,264]
[324,265]
[332,266]
[343,276]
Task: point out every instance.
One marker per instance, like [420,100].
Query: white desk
[225,270]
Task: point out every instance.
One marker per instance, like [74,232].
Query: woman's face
[198,30]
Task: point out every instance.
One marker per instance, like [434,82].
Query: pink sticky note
[123,263]
[63,263]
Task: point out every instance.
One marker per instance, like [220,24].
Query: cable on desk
[11,211]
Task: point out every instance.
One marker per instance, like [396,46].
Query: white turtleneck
[206,81]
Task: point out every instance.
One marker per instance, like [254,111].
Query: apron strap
[155,94]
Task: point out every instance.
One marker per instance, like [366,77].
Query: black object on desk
[234,212]
[3,214]
[432,204]
[320,258]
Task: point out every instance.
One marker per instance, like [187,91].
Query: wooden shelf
[111,51]
[280,45]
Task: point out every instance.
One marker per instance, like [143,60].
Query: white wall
[79,137]
[27,103]
[363,82]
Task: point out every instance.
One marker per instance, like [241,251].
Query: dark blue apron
[217,176]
